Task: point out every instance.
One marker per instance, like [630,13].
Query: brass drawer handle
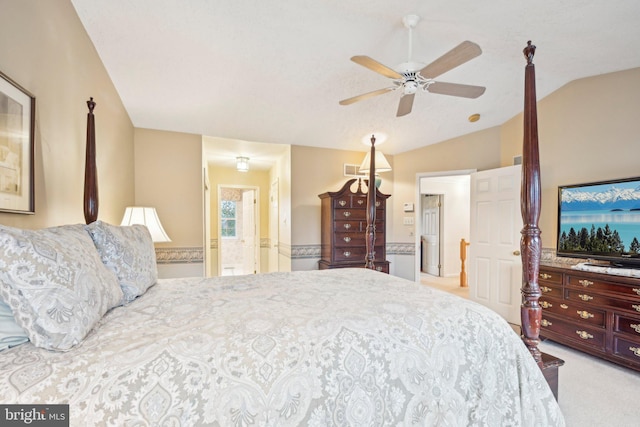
[379,268]
[584,335]
[342,203]
[585,282]
[635,350]
[545,304]
[347,253]
[545,323]
[347,239]
[636,290]
[564,306]
[584,314]
[347,214]
[636,307]
[635,328]
[347,226]
[545,276]
[377,204]
[360,201]
[545,289]
[585,297]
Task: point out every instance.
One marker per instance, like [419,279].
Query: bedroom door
[495,266]
[250,241]
[431,234]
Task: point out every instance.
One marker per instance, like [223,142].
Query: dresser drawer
[627,324]
[548,276]
[572,311]
[350,239]
[577,281]
[350,214]
[358,226]
[599,300]
[551,290]
[585,335]
[356,253]
[627,349]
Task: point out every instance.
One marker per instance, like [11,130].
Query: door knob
[516,252]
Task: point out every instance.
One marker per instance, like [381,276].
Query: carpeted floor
[592,392]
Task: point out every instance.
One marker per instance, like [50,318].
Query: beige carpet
[591,392]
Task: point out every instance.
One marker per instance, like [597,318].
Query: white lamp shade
[382,165]
[147,217]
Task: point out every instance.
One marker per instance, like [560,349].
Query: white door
[274,229]
[249,231]
[431,234]
[495,267]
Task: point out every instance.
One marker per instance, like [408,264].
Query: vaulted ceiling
[274,71]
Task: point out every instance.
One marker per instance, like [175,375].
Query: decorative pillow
[10,333]
[55,283]
[127,251]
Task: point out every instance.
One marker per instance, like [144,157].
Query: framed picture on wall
[17,125]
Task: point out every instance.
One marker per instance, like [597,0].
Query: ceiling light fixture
[242,164]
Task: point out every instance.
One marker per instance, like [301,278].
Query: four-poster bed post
[90,174]
[371,209]
[530,245]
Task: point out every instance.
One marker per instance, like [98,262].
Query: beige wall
[45,49]
[315,171]
[479,150]
[169,178]
[588,131]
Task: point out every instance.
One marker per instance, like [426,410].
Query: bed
[345,347]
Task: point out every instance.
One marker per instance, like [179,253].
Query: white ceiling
[274,71]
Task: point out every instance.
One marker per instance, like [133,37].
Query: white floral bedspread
[346,347]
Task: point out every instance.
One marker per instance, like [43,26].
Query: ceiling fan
[412,76]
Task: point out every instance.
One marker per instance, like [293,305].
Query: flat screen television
[600,221]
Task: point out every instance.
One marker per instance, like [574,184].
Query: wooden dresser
[592,312]
[344,226]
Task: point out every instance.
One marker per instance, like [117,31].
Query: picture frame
[17,141]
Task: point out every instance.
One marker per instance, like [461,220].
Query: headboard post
[90,173]
[371,209]
[530,244]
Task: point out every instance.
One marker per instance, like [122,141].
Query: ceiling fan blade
[405,105]
[455,89]
[367,95]
[374,65]
[460,54]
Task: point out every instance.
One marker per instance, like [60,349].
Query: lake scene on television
[601,218]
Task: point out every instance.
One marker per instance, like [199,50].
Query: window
[228,216]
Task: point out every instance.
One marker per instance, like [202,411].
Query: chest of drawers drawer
[573,311]
[576,332]
[592,284]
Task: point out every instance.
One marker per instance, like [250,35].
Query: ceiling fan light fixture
[410,87]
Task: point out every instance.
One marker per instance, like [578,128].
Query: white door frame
[256,218]
[418,218]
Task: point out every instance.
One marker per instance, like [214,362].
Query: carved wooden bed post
[90,173]
[530,245]
[371,209]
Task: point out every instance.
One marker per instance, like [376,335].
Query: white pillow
[55,283]
[128,251]
[10,333]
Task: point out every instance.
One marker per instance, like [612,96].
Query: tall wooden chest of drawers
[344,227]
[593,312]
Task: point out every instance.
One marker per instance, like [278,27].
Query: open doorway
[238,230]
[443,219]
[430,233]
